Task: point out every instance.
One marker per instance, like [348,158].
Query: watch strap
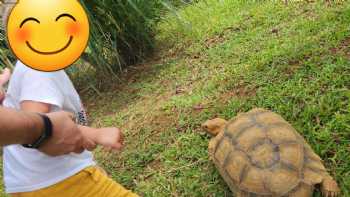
[47,133]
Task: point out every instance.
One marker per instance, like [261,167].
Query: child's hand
[109,138]
[4,77]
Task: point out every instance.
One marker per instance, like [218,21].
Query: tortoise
[260,154]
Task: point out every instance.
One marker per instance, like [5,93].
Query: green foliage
[6,57]
[121,32]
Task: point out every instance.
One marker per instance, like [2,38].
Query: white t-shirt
[28,169]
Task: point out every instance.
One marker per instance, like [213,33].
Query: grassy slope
[226,58]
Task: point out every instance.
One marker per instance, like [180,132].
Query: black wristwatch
[47,133]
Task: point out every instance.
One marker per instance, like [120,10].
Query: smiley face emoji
[48,35]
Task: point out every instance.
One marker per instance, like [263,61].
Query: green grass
[2,193]
[122,32]
[225,57]
[219,58]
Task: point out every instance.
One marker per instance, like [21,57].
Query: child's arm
[32,106]
[109,138]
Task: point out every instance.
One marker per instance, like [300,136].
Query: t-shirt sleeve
[41,87]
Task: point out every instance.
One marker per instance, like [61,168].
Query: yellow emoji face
[48,35]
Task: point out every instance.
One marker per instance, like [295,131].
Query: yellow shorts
[90,182]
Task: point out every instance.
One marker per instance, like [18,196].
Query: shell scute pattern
[257,151]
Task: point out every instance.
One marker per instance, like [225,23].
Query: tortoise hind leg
[329,187]
[246,194]
[242,194]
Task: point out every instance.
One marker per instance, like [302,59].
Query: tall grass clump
[6,57]
[121,32]
[196,22]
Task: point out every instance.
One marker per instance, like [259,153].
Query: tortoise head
[214,126]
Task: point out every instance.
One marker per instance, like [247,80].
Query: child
[30,173]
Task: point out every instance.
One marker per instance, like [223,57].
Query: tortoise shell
[261,154]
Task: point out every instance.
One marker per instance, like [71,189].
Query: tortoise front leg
[329,187]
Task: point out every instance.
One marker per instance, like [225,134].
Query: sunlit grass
[290,59]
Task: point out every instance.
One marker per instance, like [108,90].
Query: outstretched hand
[4,77]
[110,138]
